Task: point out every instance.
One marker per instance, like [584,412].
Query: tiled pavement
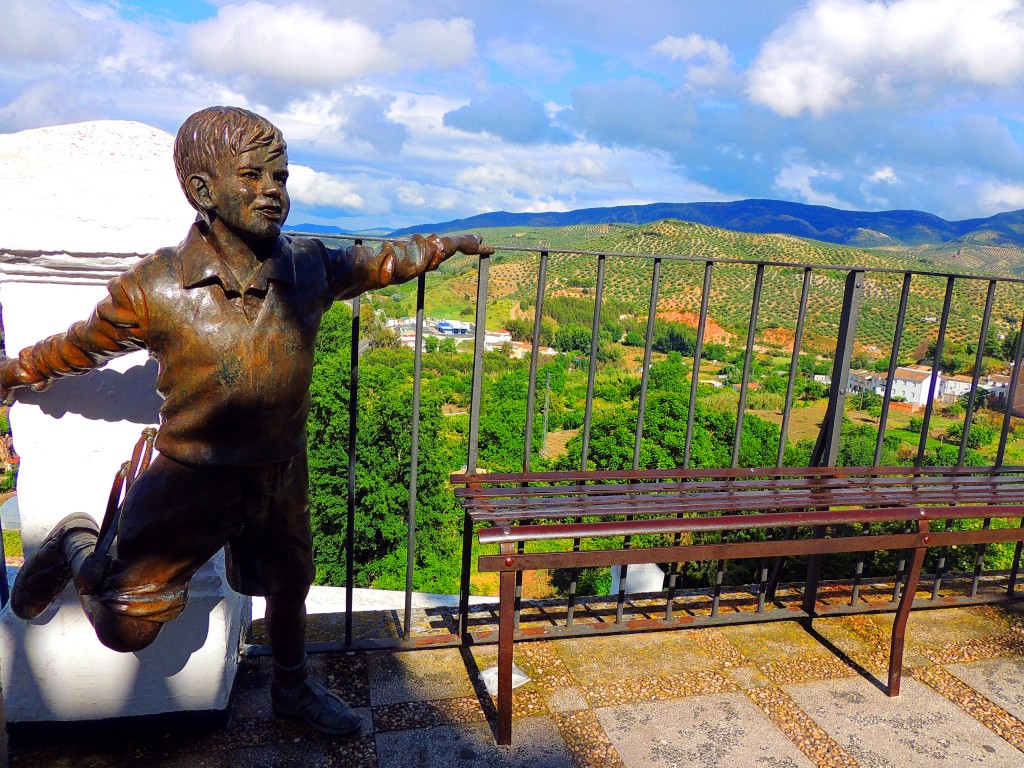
[759,695]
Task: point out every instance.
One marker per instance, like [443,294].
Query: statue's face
[249,194]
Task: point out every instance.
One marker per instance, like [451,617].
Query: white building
[496,339]
[454,328]
[521,349]
[911,383]
[954,387]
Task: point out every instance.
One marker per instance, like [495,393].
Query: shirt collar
[200,264]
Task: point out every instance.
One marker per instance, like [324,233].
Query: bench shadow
[840,654]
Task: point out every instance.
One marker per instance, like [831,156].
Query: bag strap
[96,564]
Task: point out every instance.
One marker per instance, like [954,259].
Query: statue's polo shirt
[235,362]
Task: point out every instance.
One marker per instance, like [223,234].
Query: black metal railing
[1003,297]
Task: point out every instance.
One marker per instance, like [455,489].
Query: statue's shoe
[45,574]
[316,706]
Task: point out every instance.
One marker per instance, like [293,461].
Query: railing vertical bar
[697,352]
[1011,395]
[751,330]
[719,579]
[894,356]
[936,366]
[620,598]
[979,360]
[534,358]
[901,568]
[483,266]
[979,559]
[414,458]
[645,373]
[353,410]
[940,564]
[762,578]
[826,449]
[794,365]
[530,401]
[479,336]
[1015,568]
[5,589]
[588,408]
[858,571]
[595,332]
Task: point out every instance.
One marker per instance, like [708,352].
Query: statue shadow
[150,683]
[102,395]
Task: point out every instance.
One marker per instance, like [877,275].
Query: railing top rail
[698,259]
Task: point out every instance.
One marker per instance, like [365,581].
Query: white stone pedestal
[71,440]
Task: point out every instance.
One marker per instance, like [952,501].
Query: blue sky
[399,112]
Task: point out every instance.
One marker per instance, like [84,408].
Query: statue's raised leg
[45,574]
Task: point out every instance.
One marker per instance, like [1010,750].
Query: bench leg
[899,624]
[506,629]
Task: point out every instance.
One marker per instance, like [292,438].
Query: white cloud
[48,31]
[884,175]
[717,58]
[318,189]
[433,43]
[799,178]
[841,53]
[996,196]
[430,196]
[529,60]
[300,46]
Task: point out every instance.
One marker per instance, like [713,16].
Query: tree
[520,330]
[573,338]
[669,375]
[634,339]
[1009,347]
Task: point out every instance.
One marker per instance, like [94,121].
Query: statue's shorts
[175,517]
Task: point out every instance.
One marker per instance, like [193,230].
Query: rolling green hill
[513,281]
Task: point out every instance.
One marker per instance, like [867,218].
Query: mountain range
[864,229]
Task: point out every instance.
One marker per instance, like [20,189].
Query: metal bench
[698,516]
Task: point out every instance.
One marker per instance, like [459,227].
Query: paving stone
[721,731]
[644,654]
[420,675]
[917,729]
[536,744]
[997,679]
[948,627]
[786,653]
[747,677]
[566,699]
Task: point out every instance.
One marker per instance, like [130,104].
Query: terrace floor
[769,695]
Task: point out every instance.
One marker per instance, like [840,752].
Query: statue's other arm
[114,328]
[362,268]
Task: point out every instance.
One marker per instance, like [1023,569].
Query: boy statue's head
[232,164]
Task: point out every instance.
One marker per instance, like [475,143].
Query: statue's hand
[473,245]
[8,376]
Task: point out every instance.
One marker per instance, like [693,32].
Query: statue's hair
[207,134]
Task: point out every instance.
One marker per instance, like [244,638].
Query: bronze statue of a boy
[231,316]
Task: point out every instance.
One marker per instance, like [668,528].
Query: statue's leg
[273,556]
[45,574]
[174,518]
[117,631]
[293,693]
